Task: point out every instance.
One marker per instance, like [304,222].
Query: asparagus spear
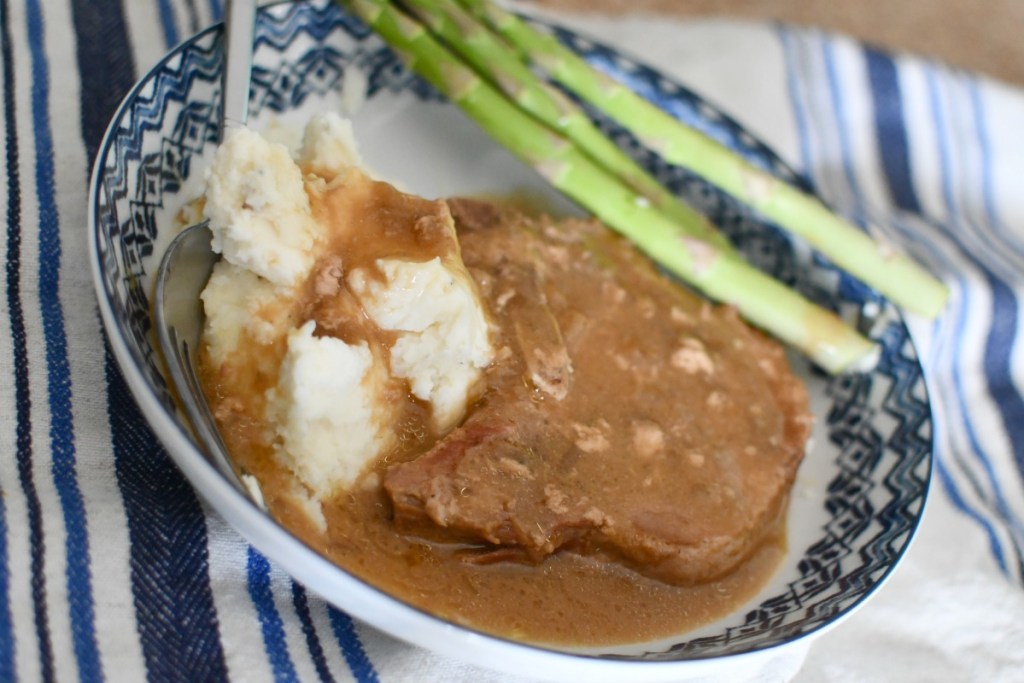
[500,64]
[763,301]
[880,266]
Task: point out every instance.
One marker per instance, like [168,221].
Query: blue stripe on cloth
[998,360]
[177,621]
[262,595]
[19,347]
[958,316]
[1005,319]
[193,16]
[893,145]
[171,35]
[899,176]
[106,67]
[894,151]
[947,349]
[842,125]
[944,340]
[20,368]
[6,624]
[981,454]
[174,606]
[954,495]
[945,162]
[1009,238]
[799,115]
[351,646]
[316,650]
[216,10]
[78,573]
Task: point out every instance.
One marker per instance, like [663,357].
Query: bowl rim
[370,604]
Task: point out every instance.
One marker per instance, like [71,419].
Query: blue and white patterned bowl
[858,496]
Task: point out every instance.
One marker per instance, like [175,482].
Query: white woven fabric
[931,155]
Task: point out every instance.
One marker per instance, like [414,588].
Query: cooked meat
[626,418]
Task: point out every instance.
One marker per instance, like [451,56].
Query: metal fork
[186,265]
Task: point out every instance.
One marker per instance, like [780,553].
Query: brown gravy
[568,598]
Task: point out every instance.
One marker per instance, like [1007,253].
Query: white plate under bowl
[858,496]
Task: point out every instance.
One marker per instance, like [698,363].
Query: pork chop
[625,418]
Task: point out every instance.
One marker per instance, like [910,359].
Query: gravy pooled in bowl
[514,422]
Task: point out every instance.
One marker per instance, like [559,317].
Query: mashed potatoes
[258,209]
[442,343]
[328,410]
[328,315]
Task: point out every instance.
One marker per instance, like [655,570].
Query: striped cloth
[111,568]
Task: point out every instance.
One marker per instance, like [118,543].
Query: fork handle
[240,27]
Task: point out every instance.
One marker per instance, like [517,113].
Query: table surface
[951,30]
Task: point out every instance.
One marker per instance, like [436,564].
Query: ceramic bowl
[859,494]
